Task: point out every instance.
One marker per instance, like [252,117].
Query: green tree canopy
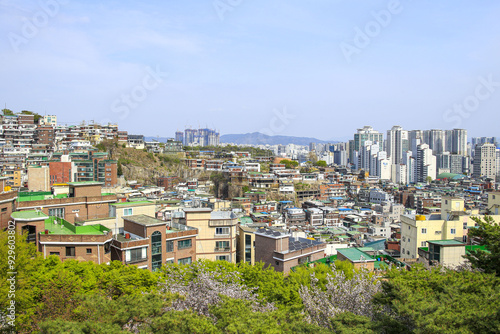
[488,233]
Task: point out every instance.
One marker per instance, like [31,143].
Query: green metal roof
[449,242]
[246,220]
[354,254]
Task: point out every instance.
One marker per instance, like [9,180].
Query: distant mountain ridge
[257,138]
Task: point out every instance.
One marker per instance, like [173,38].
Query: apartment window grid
[186,260]
[222,258]
[183,244]
[424,230]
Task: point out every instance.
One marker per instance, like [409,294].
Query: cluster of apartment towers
[418,155]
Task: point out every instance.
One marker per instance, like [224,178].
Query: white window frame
[222,229]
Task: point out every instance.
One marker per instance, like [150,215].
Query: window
[465,226]
[183,244]
[408,239]
[186,260]
[222,245]
[408,226]
[170,246]
[423,243]
[222,230]
[89,250]
[155,262]
[135,255]
[57,212]
[70,251]
[404,239]
[453,231]
[248,240]
[403,250]
[54,253]
[107,247]
[127,212]
[4,209]
[424,231]
[408,252]
[304,259]
[156,243]
[222,258]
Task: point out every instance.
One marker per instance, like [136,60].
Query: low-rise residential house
[281,251]
[314,216]
[448,253]
[295,216]
[357,257]
[452,223]
[255,196]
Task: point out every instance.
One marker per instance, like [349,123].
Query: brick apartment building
[60,172]
[281,251]
[167,182]
[84,201]
[56,236]
[7,203]
[45,134]
[149,242]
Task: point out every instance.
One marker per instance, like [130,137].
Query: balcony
[137,260]
[222,249]
[221,222]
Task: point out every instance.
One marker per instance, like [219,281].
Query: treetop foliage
[222,297]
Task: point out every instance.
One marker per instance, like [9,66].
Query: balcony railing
[137,260]
[222,249]
[221,222]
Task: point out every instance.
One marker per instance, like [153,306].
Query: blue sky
[235,65]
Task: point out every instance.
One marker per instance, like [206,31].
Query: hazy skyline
[284,67]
